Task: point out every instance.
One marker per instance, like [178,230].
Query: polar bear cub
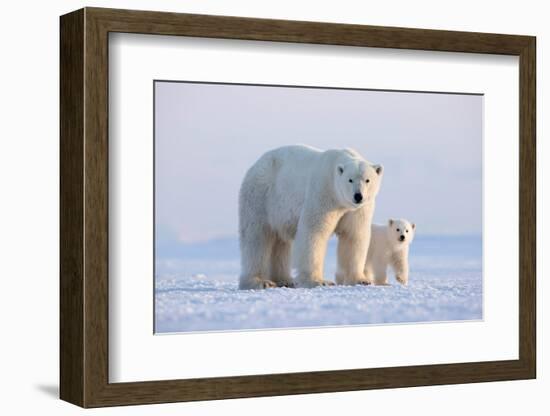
[298,195]
[389,246]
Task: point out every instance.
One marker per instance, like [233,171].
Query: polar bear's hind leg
[255,236]
[255,248]
[279,271]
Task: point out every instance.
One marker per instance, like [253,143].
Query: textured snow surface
[197,291]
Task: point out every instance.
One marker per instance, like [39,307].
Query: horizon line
[236,237]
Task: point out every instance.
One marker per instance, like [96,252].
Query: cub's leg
[369,270]
[380,273]
[400,266]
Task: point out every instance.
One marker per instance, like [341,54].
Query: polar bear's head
[357,182]
[400,232]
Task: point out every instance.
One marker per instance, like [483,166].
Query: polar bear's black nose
[402,238]
[358,197]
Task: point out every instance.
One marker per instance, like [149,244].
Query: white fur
[303,195]
[387,249]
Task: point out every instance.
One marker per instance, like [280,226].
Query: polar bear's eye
[351,181]
[367,181]
[397,230]
[406,231]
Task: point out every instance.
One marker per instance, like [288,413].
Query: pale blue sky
[207,136]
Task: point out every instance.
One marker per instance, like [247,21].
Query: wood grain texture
[84,207]
[528,208]
[162,23]
[96,208]
[71,101]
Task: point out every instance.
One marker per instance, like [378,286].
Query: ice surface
[196,290]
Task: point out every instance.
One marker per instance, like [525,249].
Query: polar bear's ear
[340,169]
[378,169]
[413,225]
[390,222]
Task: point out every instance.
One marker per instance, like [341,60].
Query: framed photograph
[254,207]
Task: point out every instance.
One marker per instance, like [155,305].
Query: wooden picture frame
[84,207]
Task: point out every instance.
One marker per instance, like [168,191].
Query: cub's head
[357,182]
[400,232]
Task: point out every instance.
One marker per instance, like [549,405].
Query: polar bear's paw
[267,284]
[256,283]
[348,280]
[363,279]
[402,279]
[314,283]
[285,283]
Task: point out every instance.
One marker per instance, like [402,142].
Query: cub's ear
[390,222]
[340,169]
[379,169]
[413,225]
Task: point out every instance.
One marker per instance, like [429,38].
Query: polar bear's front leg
[310,248]
[353,244]
[352,255]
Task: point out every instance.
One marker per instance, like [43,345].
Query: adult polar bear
[302,194]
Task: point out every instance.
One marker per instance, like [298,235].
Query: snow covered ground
[196,290]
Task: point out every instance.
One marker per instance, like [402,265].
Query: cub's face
[357,183]
[401,232]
